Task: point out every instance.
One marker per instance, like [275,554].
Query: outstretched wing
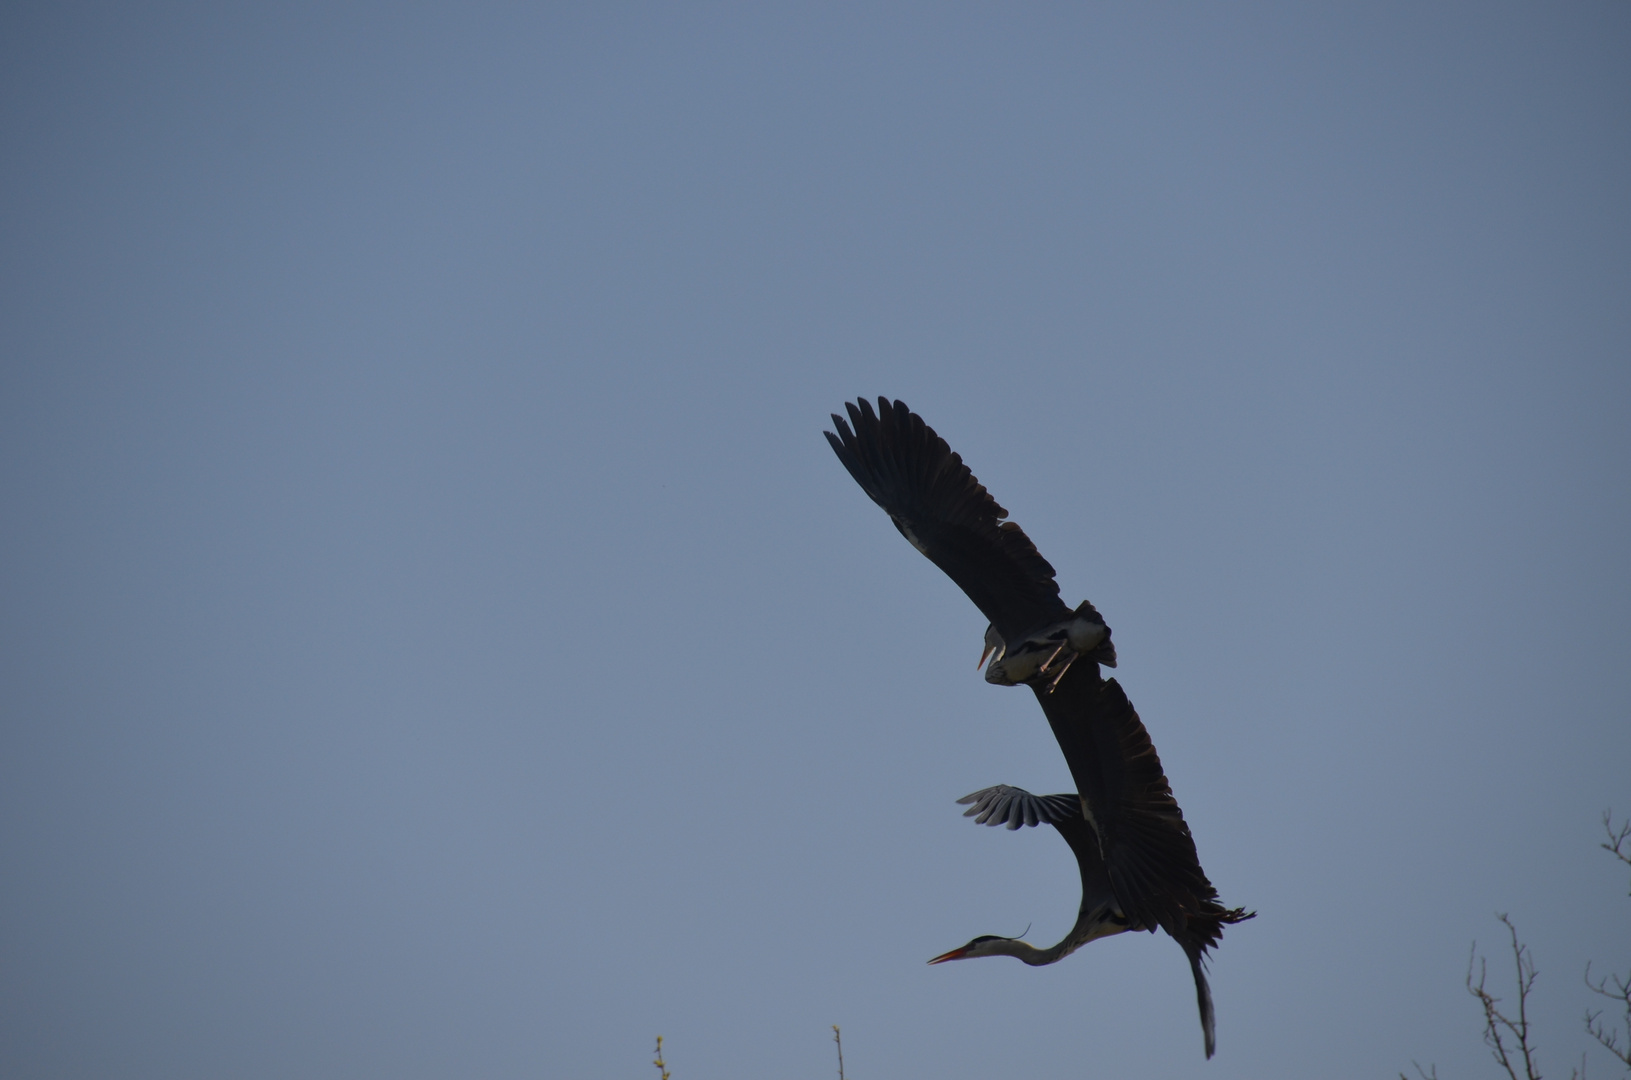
[1100,913]
[1149,856]
[1148,851]
[938,505]
[1014,807]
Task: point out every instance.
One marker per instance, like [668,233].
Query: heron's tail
[1200,933]
[1203,998]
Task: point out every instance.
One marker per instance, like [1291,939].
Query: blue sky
[438,641]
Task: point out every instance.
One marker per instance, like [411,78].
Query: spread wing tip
[1003,804]
[926,488]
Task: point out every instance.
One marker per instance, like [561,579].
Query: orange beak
[955,954]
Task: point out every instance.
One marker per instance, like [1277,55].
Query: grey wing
[1014,807]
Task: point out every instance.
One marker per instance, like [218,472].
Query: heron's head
[984,945]
[995,647]
[997,674]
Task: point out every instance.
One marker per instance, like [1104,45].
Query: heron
[1100,914]
[947,514]
[1142,845]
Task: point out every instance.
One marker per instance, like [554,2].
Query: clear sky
[438,642]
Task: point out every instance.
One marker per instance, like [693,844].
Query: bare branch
[662,1067]
[838,1038]
[1617,845]
[1618,990]
[1507,1038]
[1613,987]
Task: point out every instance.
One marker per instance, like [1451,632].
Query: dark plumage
[1101,913]
[1142,848]
[944,512]
[1148,852]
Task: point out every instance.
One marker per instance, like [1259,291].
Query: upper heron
[1147,855]
[944,512]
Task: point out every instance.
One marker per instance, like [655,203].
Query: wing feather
[1016,807]
[1148,850]
[946,513]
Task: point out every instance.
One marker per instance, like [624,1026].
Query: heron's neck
[1029,953]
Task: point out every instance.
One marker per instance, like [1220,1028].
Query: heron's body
[1050,650]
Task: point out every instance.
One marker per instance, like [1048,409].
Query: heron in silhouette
[944,512]
[1142,857]
[1100,914]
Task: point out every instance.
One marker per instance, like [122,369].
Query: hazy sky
[439,643]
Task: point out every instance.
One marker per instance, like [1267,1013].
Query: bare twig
[838,1038]
[1616,844]
[1618,990]
[662,1066]
[1613,987]
[1508,1037]
[1498,1027]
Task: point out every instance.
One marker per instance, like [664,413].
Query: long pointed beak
[955,954]
[985,652]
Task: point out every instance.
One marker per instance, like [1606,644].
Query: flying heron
[944,512]
[1143,851]
[1100,914]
